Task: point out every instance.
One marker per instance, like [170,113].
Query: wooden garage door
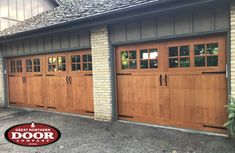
[60,82]
[177,83]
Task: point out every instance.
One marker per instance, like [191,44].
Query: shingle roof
[75,10]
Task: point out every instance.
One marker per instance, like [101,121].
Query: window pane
[36,68]
[132,54]
[212,60]
[199,49]
[85,58]
[89,58]
[153,63]
[19,69]
[184,62]
[61,67]
[85,66]
[29,67]
[12,65]
[184,51]
[36,61]
[199,61]
[74,67]
[18,63]
[173,51]
[133,64]
[124,55]
[153,53]
[144,54]
[173,62]
[125,64]
[63,59]
[89,66]
[75,58]
[78,67]
[51,68]
[28,62]
[52,60]
[144,64]
[212,49]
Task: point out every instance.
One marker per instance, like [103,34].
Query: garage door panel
[198,98]
[16,90]
[184,98]
[57,88]
[35,91]
[82,93]
[215,99]
[179,83]
[138,95]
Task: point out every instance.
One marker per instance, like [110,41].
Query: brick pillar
[232,25]
[102,74]
[2,91]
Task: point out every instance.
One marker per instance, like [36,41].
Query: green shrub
[230,124]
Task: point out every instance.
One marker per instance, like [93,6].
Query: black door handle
[166,80]
[160,80]
[70,80]
[67,79]
[24,79]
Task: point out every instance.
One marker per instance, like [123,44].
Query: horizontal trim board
[50,52]
[160,39]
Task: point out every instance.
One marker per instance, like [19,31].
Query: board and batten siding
[187,22]
[232,47]
[71,40]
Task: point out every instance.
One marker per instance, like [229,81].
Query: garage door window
[179,56]
[148,58]
[57,64]
[76,63]
[128,59]
[206,55]
[87,62]
[12,66]
[36,65]
[61,63]
[18,66]
[29,65]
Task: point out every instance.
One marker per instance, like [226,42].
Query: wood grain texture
[187,97]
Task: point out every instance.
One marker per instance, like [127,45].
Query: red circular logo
[32,134]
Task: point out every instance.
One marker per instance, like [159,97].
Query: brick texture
[232,49]
[2,91]
[102,73]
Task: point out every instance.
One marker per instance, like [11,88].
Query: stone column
[102,74]
[232,47]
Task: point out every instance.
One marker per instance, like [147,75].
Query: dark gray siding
[52,43]
[187,22]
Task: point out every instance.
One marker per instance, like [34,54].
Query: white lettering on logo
[16,135]
[29,135]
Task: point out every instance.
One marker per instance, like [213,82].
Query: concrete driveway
[89,136]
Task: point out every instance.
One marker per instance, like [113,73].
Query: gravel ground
[88,136]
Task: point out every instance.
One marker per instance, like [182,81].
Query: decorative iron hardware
[166,80]
[160,79]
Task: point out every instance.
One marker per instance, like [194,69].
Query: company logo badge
[32,134]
